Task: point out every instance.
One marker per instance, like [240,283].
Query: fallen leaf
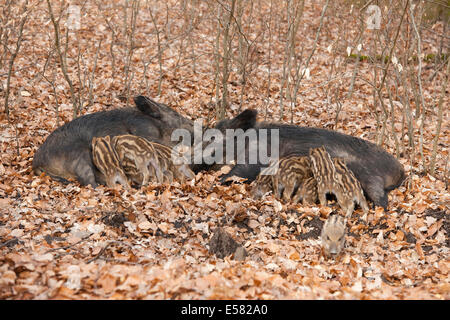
[47,257]
[419,250]
[399,236]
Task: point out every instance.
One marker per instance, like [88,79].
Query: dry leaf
[253,224]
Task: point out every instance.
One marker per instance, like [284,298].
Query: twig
[24,17]
[419,81]
[7,242]
[72,245]
[158,38]
[226,46]
[289,50]
[358,60]
[392,48]
[440,116]
[397,148]
[302,74]
[269,27]
[131,46]
[91,79]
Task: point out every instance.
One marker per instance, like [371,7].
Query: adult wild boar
[378,171]
[66,153]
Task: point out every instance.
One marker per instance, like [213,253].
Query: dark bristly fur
[107,162]
[307,192]
[66,153]
[145,156]
[377,171]
[352,189]
[325,174]
[332,176]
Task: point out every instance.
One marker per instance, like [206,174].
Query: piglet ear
[148,106]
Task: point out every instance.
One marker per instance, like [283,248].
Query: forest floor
[69,241]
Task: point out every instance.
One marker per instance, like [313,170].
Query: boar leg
[152,171]
[183,172]
[309,199]
[322,193]
[363,204]
[66,163]
[372,185]
[99,177]
[143,168]
[135,177]
[257,191]
[287,192]
[157,169]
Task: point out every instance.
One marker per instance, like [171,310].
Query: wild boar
[378,171]
[290,178]
[332,175]
[292,171]
[66,153]
[307,192]
[147,155]
[353,191]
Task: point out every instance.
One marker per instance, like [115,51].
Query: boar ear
[148,106]
[245,120]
